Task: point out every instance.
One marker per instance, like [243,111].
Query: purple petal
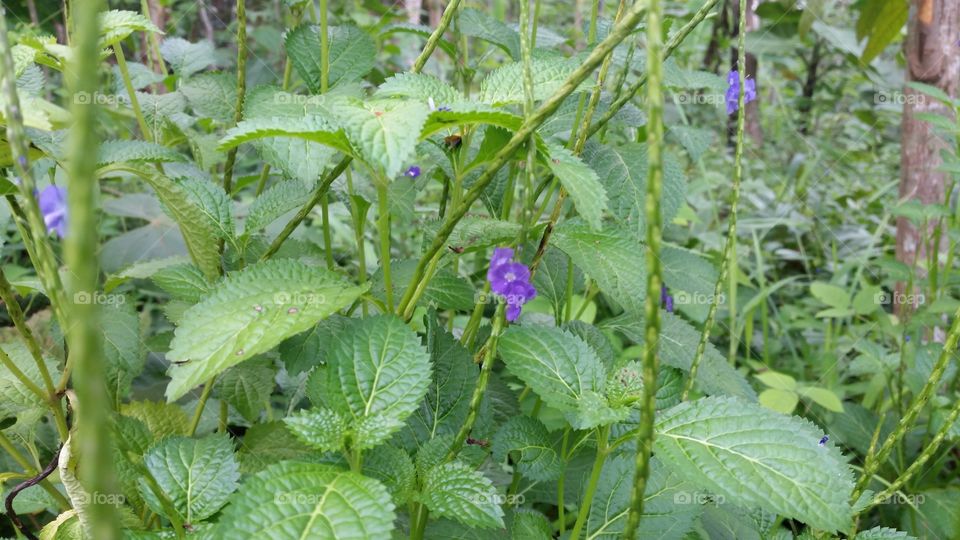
[53,205]
[513,311]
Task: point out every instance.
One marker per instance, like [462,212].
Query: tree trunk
[932,58]
[752,110]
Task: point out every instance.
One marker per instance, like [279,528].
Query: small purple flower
[906,338]
[733,91]
[444,108]
[53,205]
[511,281]
[823,441]
[413,171]
[666,299]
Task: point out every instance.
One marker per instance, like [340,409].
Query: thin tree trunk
[752,121]
[932,58]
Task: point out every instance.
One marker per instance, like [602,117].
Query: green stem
[617,34]
[241,91]
[198,412]
[128,84]
[436,36]
[84,333]
[603,437]
[419,522]
[7,446]
[324,48]
[872,462]
[654,235]
[728,260]
[383,228]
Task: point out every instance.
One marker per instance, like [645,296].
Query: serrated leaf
[119,151]
[475,23]
[123,352]
[196,475]
[563,370]
[504,85]
[351,56]
[308,500]
[456,491]
[526,439]
[310,128]
[268,443]
[15,399]
[248,313]
[187,58]
[212,95]
[161,419]
[419,86]
[757,458]
[183,282]
[377,372]
[384,133]
[580,181]
[116,25]
[466,114]
[623,172]
[320,428]
[611,256]
[274,203]
[529,525]
[695,141]
[474,233]
[394,468]
[247,387]
[883,533]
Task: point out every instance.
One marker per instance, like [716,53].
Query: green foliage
[456,491]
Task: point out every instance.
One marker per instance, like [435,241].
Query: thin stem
[383,228]
[7,446]
[128,84]
[728,260]
[619,32]
[654,235]
[198,412]
[603,437]
[241,91]
[436,36]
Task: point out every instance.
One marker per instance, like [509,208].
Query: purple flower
[53,206]
[413,171]
[444,108]
[666,299]
[511,281]
[733,91]
[823,441]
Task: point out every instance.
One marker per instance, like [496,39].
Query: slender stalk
[526,52]
[872,461]
[131,91]
[383,226]
[436,36]
[198,412]
[7,446]
[84,333]
[617,34]
[728,260]
[654,231]
[241,91]
[603,437]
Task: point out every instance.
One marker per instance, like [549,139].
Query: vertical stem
[436,36]
[729,259]
[241,90]
[603,437]
[383,228]
[198,413]
[84,335]
[654,237]
[131,91]
[324,82]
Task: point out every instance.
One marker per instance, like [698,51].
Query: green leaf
[161,419]
[183,282]
[755,457]
[385,133]
[394,468]
[504,85]
[321,428]
[247,387]
[248,313]
[351,56]
[199,231]
[823,397]
[419,86]
[118,151]
[274,203]
[887,23]
[309,128]
[830,295]
[212,95]
[302,352]
[268,443]
[883,533]
[15,399]
[196,475]
[579,180]
[623,172]
[611,256]
[695,141]
[563,370]
[123,352]
[308,500]
[467,114]
[528,441]
[475,23]
[473,233]
[780,381]
[938,513]
[933,92]
[116,25]
[530,525]
[187,58]
[377,372]
[456,491]
[776,399]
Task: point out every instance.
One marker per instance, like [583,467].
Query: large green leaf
[196,475]
[119,150]
[504,85]
[528,441]
[351,56]
[563,370]
[881,21]
[274,203]
[250,312]
[420,86]
[247,386]
[883,533]
[377,372]
[465,114]
[116,25]
[757,458]
[212,95]
[613,257]
[475,23]
[308,500]
[580,181]
[187,58]
[384,133]
[123,352]
[454,490]
[310,128]
[15,399]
